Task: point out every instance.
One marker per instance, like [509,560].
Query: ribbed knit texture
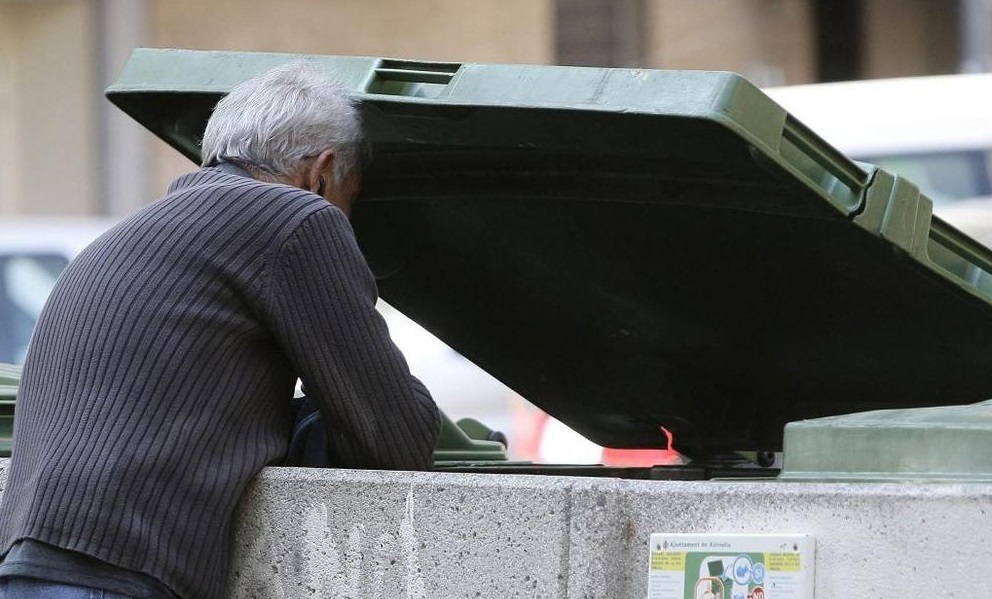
[159,378]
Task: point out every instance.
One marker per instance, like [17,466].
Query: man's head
[291,125]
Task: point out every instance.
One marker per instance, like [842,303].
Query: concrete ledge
[340,533]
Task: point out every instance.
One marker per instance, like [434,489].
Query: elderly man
[160,376]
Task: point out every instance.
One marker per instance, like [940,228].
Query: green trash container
[634,249]
[937,444]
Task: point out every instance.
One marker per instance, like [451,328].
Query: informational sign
[714,566]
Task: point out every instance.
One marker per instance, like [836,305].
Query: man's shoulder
[215,190]
[222,182]
[208,206]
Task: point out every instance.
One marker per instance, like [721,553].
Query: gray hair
[276,120]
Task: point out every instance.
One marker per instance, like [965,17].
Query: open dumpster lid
[635,249]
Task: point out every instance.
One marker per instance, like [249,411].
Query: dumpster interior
[614,302]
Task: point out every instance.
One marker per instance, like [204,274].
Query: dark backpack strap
[308,439]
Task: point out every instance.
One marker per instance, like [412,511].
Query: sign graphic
[712,566]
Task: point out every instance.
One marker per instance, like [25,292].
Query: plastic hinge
[410,78]
[897,211]
[821,165]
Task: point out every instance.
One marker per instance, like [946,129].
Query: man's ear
[323,163]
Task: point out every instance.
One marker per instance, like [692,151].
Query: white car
[32,254]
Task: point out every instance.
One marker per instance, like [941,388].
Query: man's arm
[322,311]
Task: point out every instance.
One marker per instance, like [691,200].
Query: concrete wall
[339,533]
[370,534]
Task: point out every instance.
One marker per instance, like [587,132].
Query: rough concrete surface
[340,533]
[337,533]
[872,540]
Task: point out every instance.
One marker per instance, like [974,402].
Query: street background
[64,150]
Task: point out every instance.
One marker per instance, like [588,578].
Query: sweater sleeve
[322,312]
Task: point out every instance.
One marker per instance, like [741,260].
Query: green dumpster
[936,444]
[635,249]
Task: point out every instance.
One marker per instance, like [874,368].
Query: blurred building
[64,150]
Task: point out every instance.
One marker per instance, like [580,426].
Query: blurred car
[32,254]
[935,131]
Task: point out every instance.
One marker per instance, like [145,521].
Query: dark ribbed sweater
[159,378]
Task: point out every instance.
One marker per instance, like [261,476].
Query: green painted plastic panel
[938,444]
[460,443]
[9,377]
[633,249]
